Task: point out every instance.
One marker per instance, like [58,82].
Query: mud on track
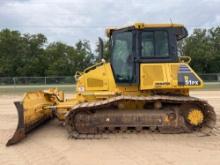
[49,144]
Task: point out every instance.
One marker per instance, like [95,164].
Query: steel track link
[92,107]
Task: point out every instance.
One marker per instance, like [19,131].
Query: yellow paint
[186,78]
[163,76]
[33,105]
[143,26]
[166,119]
[195,117]
[166,25]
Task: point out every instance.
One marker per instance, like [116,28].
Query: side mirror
[101,49]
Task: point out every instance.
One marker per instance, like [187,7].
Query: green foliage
[203,46]
[66,60]
[28,55]
[106,53]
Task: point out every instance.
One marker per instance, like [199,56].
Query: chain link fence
[210,77]
[60,80]
[65,80]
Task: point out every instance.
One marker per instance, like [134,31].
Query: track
[91,119]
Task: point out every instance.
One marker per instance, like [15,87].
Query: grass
[20,89]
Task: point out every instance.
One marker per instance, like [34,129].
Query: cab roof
[181,31]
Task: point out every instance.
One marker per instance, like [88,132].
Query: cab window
[122,62]
[154,44]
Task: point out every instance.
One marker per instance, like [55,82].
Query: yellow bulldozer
[144,86]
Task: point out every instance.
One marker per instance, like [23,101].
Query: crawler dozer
[144,86]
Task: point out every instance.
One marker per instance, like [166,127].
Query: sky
[71,20]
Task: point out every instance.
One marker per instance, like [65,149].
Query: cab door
[122,56]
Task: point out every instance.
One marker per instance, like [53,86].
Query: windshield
[154,44]
[122,56]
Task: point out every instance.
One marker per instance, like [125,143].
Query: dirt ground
[49,144]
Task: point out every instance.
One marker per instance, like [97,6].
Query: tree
[66,60]
[84,57]
[106,52]
[10,48]
[60,59]
[27,55]
[203,47]
[20,55]
[32,60]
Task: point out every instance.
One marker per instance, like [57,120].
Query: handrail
[78,74]
[185,59]
[94,66]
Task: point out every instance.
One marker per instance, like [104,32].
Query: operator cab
[142,43]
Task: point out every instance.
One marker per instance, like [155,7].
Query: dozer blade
[20,131]
[31,114]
